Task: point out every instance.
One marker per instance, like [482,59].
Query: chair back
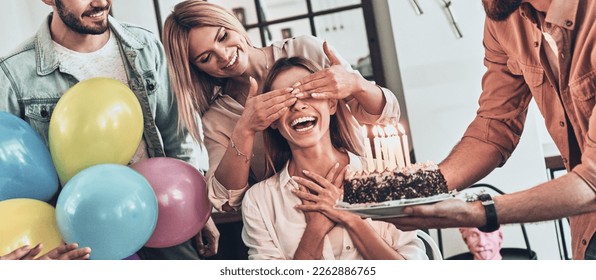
[508,253]
[429,242]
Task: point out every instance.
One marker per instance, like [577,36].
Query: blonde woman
[213,65]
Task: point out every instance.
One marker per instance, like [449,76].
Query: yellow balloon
[96,121]
[25,221]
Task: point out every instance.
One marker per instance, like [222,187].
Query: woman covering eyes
[291,215]
[218,75]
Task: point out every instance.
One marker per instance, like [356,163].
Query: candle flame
[401,128]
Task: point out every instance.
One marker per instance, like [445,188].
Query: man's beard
[77,25]
[500,10]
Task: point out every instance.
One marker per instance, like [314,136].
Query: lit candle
[390,142]
[406,146]
[384,148]
[370,165]
[378,152]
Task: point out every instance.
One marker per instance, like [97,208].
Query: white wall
[441,78]
[19,20]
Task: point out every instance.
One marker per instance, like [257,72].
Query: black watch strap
[492,223]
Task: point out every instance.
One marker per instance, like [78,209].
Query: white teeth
[301,120]
[304,128]
[233,60]
[97,15]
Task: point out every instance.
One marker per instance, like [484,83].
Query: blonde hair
[277,149]
[195,90]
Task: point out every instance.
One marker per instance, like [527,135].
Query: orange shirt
[518,69]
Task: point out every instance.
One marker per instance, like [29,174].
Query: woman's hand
[322,195]
[210,245]
[66,252]
[314,216]
[261,110]
[62,252]
[334,82]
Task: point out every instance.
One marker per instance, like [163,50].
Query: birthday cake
[418,180]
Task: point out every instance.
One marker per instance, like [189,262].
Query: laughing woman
[291,214]
[211,62]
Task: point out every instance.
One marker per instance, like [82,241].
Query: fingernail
[314,95]
[297,84]
[284,109]
[299,95]
[294,91]
[336,165]
[305,172]
[289,89]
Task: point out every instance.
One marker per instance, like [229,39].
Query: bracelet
[239,153]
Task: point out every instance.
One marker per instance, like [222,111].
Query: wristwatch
[492,223]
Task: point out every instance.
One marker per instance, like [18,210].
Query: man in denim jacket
[78,41]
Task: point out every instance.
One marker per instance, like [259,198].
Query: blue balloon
[108,207]
[26,167]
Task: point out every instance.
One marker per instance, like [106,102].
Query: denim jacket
[32,82]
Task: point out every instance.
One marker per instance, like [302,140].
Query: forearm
[469,161]
[568,195]
[236,160]
[368,242]
[311,244]
[369,96]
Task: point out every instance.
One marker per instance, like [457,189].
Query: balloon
[96,121]
[25,221]
[26,168]
[109,208]
[181,197]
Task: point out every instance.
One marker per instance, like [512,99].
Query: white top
[221,118]
[105,62]
[273,227]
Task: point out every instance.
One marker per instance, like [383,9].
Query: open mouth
[97,15]
[97,12]
[233,60]
[304,123]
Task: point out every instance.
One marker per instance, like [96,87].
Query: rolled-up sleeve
[587,169]
[504,101]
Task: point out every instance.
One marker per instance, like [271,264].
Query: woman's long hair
[194,89]
[277,149]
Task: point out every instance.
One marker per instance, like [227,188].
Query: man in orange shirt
[541,49]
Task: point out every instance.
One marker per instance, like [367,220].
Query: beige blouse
[219,122]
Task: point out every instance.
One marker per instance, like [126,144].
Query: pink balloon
[183,206]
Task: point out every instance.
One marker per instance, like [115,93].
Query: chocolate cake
[415,181]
